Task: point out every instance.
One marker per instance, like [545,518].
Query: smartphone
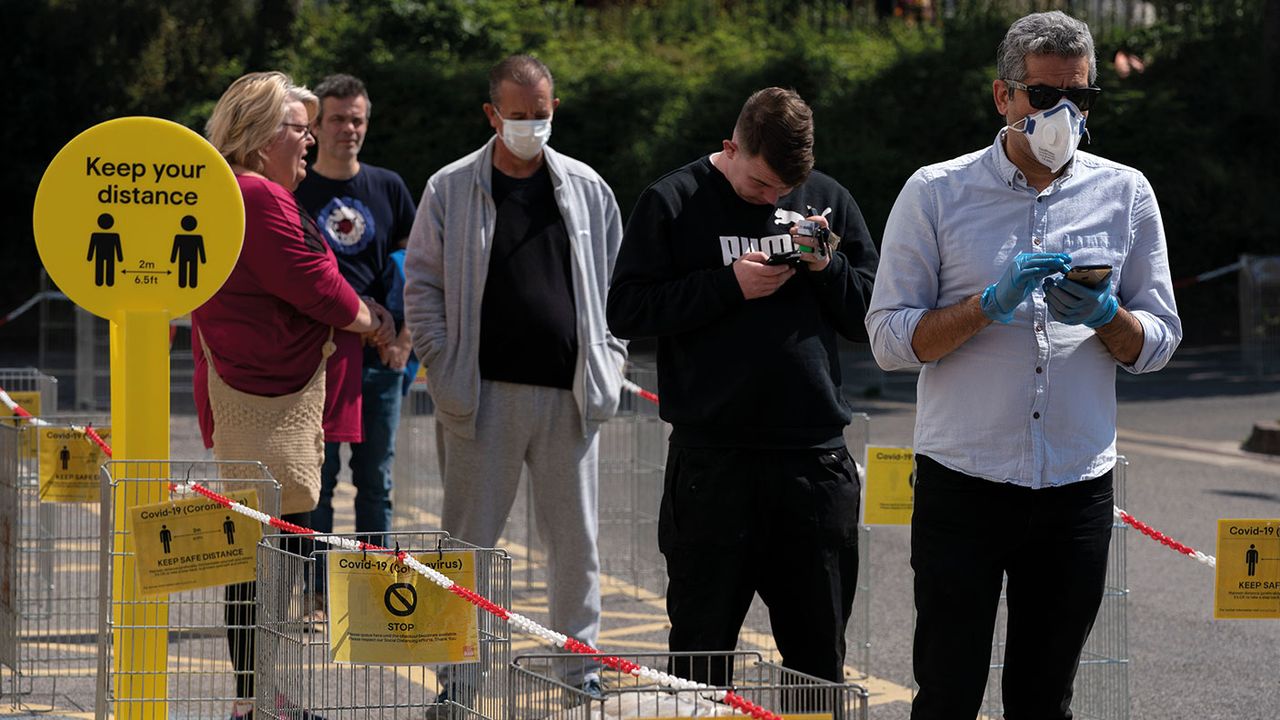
[787,258]
[1089,275]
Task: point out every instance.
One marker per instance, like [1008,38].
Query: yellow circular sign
[139,213]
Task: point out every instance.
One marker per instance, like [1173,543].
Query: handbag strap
[326,350]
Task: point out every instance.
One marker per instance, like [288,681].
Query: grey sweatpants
[540,427]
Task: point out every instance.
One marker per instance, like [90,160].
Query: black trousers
[781,523]
[241,611]
[1052,543]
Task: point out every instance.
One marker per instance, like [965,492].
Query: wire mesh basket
[296,669]
[538,693]
[48,553]
[165,655]
[1260,313]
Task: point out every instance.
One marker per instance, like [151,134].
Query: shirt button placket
[1040,380]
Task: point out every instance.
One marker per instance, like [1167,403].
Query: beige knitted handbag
[285,433]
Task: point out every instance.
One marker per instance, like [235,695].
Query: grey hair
[1046,33]
[523,70]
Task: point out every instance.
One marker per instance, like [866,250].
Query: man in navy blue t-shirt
[365,213]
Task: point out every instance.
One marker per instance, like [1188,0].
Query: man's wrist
[990,306]
[1112,307]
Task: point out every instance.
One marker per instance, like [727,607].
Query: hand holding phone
[1078,303]
[792,258]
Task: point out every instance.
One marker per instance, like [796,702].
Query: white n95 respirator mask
[1053,134]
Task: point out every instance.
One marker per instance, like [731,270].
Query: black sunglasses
[1043,97]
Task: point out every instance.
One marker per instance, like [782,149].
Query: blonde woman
[268,328]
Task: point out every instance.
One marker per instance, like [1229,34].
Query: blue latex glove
[1076,304]
[1001,298]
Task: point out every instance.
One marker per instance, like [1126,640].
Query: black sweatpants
[782,523]
[966,533]
[242,611]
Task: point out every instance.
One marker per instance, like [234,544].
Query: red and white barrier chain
[21,412]
[516,620]
[30,303]
[1211,274]
[636,389]
[1163,539]
[1125,517]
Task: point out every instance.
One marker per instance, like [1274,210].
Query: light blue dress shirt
[1032,402]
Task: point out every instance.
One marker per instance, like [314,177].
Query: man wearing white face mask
[1015,424]
[505,281]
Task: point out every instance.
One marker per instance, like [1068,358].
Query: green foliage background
[649,85]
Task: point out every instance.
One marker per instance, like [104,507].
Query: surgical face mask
[525,138]
[1053,133]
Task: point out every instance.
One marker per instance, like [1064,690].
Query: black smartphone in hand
[1089,275]
[791,258]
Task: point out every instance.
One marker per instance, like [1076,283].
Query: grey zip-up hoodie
[447,263]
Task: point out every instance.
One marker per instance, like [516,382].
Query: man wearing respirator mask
[1015,427]
[505,281]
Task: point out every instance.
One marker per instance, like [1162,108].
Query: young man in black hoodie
[745,265]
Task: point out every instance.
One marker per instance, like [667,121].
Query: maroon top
[268,323]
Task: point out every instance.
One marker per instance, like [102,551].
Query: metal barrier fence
[74,345]
[537,692]
[1102,683]
[632,457]
[1260,312]
[194,678]
[48,562]
[294,665]
[50,632]
[417,493]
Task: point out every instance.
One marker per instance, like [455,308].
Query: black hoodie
[763,373]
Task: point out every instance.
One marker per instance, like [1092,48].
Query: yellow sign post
[1248,570]
[382,612]
[889,493]
[138,220]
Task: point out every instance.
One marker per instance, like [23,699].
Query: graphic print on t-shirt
[733,247]
[347,224]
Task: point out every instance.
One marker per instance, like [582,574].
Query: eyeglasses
[306,129]
[1043,97]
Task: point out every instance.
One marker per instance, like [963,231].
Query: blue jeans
[370,463]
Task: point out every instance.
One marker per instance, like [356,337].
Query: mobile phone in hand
[787,258]
[1089,275]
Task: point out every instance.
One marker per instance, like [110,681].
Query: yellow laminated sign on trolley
[138,220]
[194,543]
[890,490]
[382,612]
[28,400]
[69,463]
[1247,586]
